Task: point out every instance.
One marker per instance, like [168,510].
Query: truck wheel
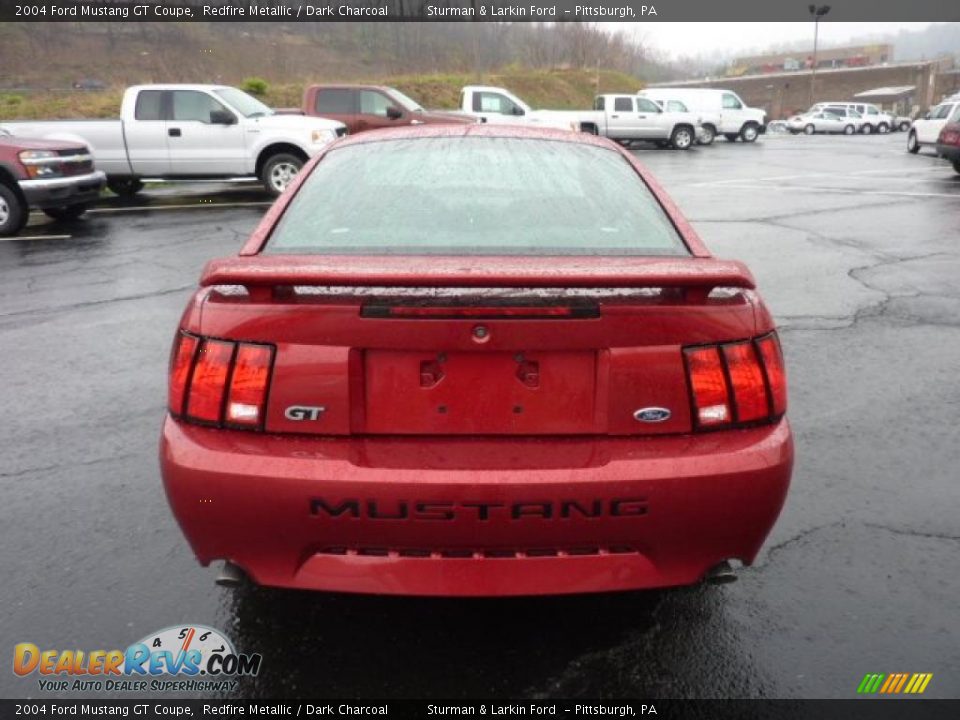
[707,135]
[904,126]
[682,138]
[125,187]
[70,212]
[731,137]
[279,171]
[913,146]
[883,128]
[749,132]
[849,130]
[867,129]
[13,213]
[809,129]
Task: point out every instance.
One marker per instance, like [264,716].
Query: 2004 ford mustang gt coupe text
[476,360]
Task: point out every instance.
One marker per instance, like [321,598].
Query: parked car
[948,144]
[902,122]
[706,133]
[56,177]
[852,116]
[926,130]
[736,118]
[822,122]
[628,118]
[475,361]
[192,132]
[371,107]
[872,118]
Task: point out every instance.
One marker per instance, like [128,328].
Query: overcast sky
[694,38]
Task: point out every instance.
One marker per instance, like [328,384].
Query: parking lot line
[800,176]
[849,191]
[190,206]
[36,237]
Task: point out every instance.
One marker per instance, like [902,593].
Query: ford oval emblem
[651,415]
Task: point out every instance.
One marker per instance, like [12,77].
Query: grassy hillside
[555,89]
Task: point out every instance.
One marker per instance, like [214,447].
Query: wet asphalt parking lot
[856,248]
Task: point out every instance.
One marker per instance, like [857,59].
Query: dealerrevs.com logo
[182,658]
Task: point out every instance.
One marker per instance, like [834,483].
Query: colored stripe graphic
[894,683]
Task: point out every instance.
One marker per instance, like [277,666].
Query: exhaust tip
[230,575]
[721,574]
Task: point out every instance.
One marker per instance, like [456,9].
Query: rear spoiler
[699,273]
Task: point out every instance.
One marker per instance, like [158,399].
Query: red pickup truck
[370,107]
[56,177]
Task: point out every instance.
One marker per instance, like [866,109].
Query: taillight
[769,347]
[710,393]
[181,364]
[219,382]
[737,383]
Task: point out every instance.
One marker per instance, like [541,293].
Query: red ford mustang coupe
[476,360]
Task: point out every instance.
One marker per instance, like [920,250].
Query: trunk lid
[478,346]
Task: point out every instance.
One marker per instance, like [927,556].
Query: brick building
[784,93]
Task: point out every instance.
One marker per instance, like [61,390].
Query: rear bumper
[60,192]
[950,152]
[475,517]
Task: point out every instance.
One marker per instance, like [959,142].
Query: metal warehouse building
[919,85]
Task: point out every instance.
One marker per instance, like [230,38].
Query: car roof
[440,130]
[347,86]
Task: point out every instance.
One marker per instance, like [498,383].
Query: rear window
[149,106]
[335,101]
[475,196]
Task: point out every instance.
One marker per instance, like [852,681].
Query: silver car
[824,122]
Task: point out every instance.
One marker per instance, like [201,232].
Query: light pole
[816,13]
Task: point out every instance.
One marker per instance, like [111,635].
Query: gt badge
[304,412]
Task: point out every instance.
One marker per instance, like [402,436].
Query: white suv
[925,130]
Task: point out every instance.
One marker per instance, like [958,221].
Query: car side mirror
[222,117]
[393,113]
[518,110]
[926,116]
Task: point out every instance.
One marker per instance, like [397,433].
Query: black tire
[279,171]
[13,212]
[749,133]
[65,214]
[707,135]
[732,137]
[904,126]
[125,187]
[883,128]
[809,129]
[682,138]
[913,145]
[956,166]
[849,130]
[867,129]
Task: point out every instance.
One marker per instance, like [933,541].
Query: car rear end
[532,385]
[948,144]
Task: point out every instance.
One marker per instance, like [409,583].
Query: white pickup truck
[499,106]
[197,132]
[620,117]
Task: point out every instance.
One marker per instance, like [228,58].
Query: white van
[734,118]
